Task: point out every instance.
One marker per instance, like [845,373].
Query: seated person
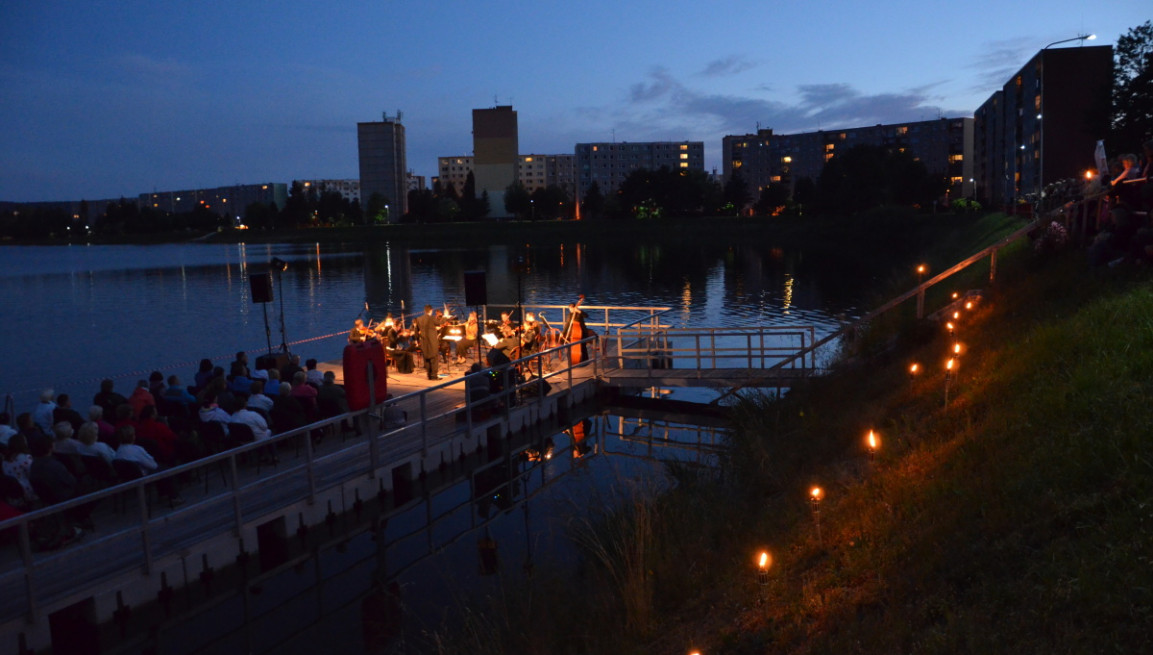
[88,446]
[64,412]
[238,381]
[17,464]
[64,443]
[471,335]
[331,399]
[6,430]
[42,415]
[359,332]
[260,431]
[312,376]
[257,400]
[304,392]
[106,431]
[151,428]
[129,451]
[179,393]
[108,398]
[141,397]
[50,478]
[210,411]
[287,412]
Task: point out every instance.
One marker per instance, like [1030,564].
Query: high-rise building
[454,171]
[608,164]
[944,146]
[383,165]
[1042,126]
[495,146]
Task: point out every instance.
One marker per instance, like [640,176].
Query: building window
[787,159]
[684,155]
[684,146]
[902,131]
[953,159]
[829,147]
[684,164]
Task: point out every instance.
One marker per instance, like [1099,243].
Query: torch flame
[873,441]
[949,365]
[949,326]
[816,493]
[764,560]
[956,316]
[913,369]
[956,349]
[969,305]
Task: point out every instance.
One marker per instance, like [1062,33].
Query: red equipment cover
[357,357]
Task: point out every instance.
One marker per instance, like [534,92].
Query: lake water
[73,315]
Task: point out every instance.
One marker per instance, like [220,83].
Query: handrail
[234,491]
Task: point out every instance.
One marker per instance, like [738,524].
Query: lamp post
[815,495]
[1041,115]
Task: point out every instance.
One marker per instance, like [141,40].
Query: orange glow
[949,364]
[816,494]
[956,316]
[764,561]
[956,349]
[921,269]
[1088,175]
[874,440]
[969,305]
[913,369]
[949,327]
[956,295]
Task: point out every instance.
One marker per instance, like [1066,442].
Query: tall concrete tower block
[495,146]
[383,164]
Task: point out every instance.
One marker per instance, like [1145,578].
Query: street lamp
[1041,115]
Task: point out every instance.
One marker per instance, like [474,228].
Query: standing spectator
[42,415]
[64,412]
[108,399]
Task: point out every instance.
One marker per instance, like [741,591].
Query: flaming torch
[874,442]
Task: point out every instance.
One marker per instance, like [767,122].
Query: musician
[359,333]
[397,343]
[427,330]
[530,335]
[471,334]
[506,321]
[505,350]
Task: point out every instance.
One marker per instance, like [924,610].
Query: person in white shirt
[6,431]
[129,451]
[42,415]
[258,400]
[253,420]
[88,446]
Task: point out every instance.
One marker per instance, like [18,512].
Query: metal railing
[135,539]
[714,348]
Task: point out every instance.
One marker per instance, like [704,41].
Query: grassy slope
[1019,517]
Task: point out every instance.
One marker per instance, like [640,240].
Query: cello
[576,332]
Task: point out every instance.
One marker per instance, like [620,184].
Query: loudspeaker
[261,284]
[475,289]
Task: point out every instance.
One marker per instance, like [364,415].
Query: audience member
[18,462]
[331,399]
[6,430]
[242,361]
[210,411]
[27,427]
[64,444]
[238,381]
[49,477]
[129,451]
[42,415]
[257,400]
[157,431]
[106,431]
[141,397]
[64,412]
[156,384]
[291,368]
[88,446]
[287,413]
[176,392]
[253,420]
[303,392]
[312,375]
[108,399]
[203,375]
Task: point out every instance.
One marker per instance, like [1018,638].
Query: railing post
[29,569]
[308,467]
[142,498]
[373,446]
[992,265]
[424,424]
[236,492]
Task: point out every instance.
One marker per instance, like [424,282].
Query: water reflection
[389,570]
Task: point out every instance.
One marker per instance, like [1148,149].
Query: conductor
[427,330]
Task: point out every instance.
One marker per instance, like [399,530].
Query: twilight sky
[107,99]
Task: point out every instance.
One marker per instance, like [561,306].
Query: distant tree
[805,192]
[260,216]
[593,206]
[868,176]
[550,202]
[376,209]
[1132,89]
[773,200]
[516,200]
[471,207]
[736,191]
[668,192]
[298,209]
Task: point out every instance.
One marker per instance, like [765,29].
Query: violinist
[359,332]
[471,334]
[530,335]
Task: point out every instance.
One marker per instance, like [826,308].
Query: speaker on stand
[475,295]
[261,286]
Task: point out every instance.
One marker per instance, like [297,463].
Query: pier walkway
[237,504]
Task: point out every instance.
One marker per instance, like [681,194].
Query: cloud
[731,65]
[662,83]
[991,66]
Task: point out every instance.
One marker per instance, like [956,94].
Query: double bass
[576,332]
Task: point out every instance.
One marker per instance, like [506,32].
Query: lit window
[684,164]
[829,147]
[528,159]
[684,146]
[787,159]
[738,163]
[684,155]
[956,180]
[902,131]
[956,158]
[595,148]
[828,156]
[776,178]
